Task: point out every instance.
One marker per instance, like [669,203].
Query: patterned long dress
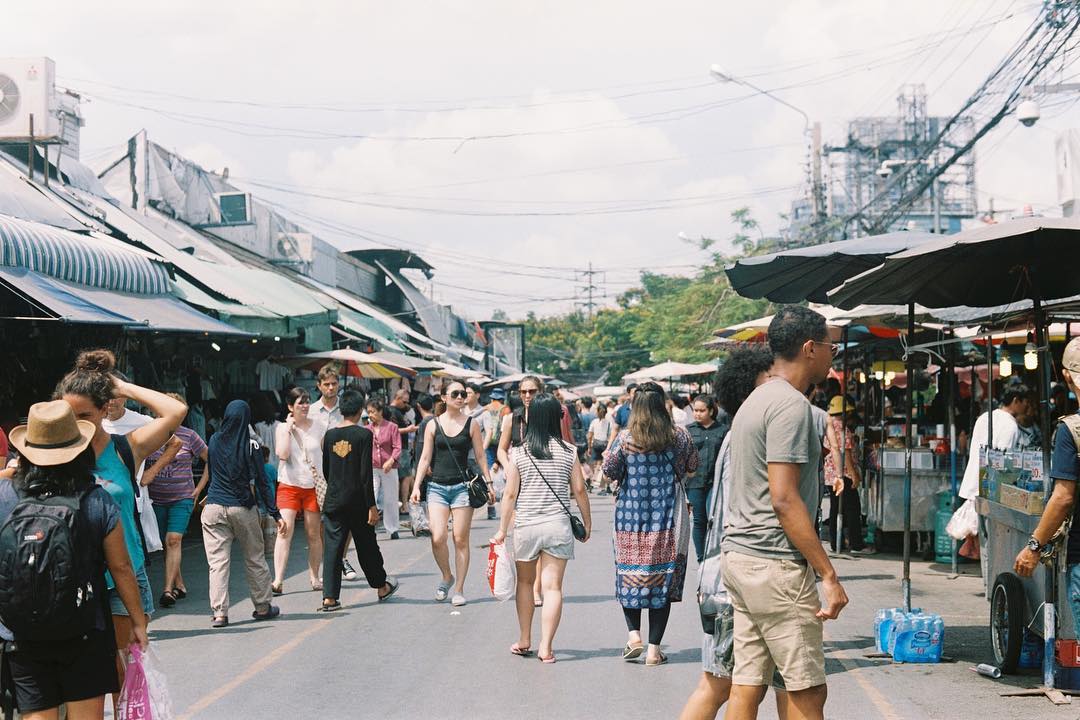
[652,525]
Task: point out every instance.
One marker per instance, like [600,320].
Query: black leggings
[658,618]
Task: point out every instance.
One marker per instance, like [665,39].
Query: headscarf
[230,447]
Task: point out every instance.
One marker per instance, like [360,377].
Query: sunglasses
[528,392]
[456,394]
[834,348]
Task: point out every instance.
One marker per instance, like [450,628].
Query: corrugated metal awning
[78,258]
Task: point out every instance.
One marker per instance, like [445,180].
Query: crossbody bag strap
[449,449]
[538,472]
[315,474]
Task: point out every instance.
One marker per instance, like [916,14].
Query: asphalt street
[414,658]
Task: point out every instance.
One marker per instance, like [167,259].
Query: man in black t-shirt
[349,505]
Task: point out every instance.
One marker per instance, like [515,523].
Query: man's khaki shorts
[776,626]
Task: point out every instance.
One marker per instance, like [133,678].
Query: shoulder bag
[576,525]
[320,481]
[474,483]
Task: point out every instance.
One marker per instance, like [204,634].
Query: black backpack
[47,584]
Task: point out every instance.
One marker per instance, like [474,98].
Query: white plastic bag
[501,572]
[148,520]
[418,518]
[964,522]
[145,695]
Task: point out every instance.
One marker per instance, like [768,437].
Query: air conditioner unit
[299,247]
[28,87]
[233,208]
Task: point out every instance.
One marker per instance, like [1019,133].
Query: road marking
[267,661]
[871,692]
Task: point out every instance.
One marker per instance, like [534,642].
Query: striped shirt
[535,501]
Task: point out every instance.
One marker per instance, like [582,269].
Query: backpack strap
[123,449]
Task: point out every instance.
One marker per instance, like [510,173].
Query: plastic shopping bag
[418,518]
[145,695]
[501,572]
[964,522]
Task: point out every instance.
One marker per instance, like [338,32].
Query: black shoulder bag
[576,525]
[474,483]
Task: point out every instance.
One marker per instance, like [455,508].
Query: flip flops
[661,660]
[324,608]
[549,660]
[632,652]
[393,583]
[520,651]
[272,612]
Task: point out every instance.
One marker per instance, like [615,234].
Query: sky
[516,145]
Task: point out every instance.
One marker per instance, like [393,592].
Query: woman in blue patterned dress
[648,461]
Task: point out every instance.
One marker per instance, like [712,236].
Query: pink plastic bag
[145,695]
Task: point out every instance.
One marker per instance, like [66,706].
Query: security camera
[1027,113]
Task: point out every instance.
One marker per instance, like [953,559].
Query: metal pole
[989,394]
[1051,573]
[843,449]
[905,583]
[950,368]
[30,150]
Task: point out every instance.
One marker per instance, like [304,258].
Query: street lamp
[720,75]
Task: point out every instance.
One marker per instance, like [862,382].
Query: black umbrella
[1029,258]
[809,273]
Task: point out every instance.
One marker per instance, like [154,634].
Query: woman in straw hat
[88,388]
[55,457]
[842,486]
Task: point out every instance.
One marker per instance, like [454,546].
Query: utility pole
[816,189]
[589,288]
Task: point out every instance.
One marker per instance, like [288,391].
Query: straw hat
[52,435]
[836,406]
[1070,359]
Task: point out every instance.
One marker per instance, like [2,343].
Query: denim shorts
[174,517]
[116,605]
[1073,592]
[452,496]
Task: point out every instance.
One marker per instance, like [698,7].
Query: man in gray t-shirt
[771,550]
[774,425]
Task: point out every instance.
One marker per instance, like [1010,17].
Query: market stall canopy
[405,361]
[459,373]
[74,303]
[353,364]
[984,267]
[670,370]
[808,273]
[516,378]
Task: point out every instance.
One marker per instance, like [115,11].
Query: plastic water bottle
[883,622]
[917,638]
[1031,651]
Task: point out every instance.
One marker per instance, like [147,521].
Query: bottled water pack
[917,637]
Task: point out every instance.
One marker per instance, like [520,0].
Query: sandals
[167,599]
[276,589]
[549,660]
[179,593]
[219,622]
[271,612]
[324,608]
[633,652]
[394,584]
[517,649]
[661,660]
[315,586]
[538,602]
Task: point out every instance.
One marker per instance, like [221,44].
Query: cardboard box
[1030,503]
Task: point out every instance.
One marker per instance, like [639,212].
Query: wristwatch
[1033,544]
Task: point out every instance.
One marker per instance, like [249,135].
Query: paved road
[414,658]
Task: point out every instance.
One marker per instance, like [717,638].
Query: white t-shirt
[129,421]
[296,471]
[1006,437]
[600,429]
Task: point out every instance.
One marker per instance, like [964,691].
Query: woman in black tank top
[447,441]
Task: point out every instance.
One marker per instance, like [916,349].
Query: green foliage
[665,318]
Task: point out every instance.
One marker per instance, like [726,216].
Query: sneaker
[443,589]
[347,570]
[423,532]
[458,600]
[491,512]
[394,535]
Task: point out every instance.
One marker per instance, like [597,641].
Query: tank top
[449,465]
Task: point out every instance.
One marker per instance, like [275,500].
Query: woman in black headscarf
[230,513]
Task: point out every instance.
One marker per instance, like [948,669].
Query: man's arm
[795,520]
[172,448]
[1057,510]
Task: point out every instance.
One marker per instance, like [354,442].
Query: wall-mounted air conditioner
[28,87]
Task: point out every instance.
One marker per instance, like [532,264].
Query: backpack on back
[496,424]
[47,588]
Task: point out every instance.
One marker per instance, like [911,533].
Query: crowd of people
[739,471]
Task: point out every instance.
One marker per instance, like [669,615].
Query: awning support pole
[905,583]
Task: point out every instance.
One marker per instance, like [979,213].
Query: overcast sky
[595,132]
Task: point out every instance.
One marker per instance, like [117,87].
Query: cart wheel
[1007,621]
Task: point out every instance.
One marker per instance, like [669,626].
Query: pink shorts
[290,497]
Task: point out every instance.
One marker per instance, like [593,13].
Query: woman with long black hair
[230,514]
[543,472]
[708,433]
[649,460]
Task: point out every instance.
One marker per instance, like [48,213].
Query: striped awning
[78,258]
